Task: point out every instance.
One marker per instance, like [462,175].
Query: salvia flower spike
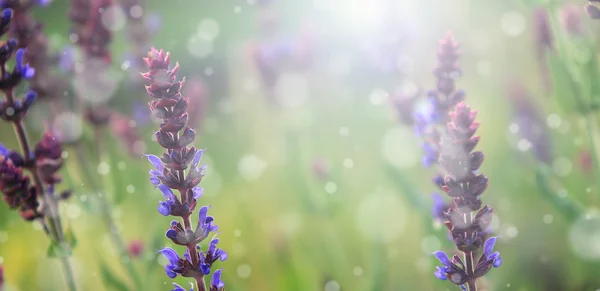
[177,173]
[464,184]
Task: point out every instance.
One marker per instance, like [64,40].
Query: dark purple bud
[48,158]
[593,11]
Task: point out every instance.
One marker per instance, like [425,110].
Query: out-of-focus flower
[321,168]
[135,248]
[404,104]
[124,129]
[585,161]
[570,16]
[48,158]
[530,122]
[592,10]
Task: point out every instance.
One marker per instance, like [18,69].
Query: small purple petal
[167,192]
[178,287]
[440,274]
[497,262]
[171,233]
[164,208]
[197,158]
[198,192]
[216,280]
[223,255]
[170,273]
[171,255]
[488,247]
[156,162]
[443,258]
[202,214]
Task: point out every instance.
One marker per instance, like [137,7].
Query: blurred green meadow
[319,187]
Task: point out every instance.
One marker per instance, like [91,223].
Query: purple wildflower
[570,16]
[48,158]
[135,248]
[216,283]
[179,169]
[532,126]
[440,101]
[16,188]
[592,10]
[544,43]
[29,34]
[464,184]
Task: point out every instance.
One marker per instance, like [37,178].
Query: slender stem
[108,218]
[589,123]
[54,227]
[201,284]
[472,286]
[66,261]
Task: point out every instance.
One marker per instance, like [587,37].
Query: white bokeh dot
[548,218]
[584,236]
[103,168]
[332,285]
[562,166]
[251,167]
[357,271]
[208,29]
[553,121]
[348,163]
[400,148]
[513,23]
[113,18]
[374,213]
[331,187]
[244,271]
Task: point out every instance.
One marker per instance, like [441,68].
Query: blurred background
[314,181]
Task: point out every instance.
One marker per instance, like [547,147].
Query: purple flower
[178,169]
[212,255]
[165,206]
[16,188]
[494,257]
[179,288]
[216,284]
[21,67]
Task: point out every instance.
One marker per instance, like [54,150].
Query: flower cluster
[464,184]
[593,10]
[439,101]
[179,169]
[29,34]
[17,190]
[46,160]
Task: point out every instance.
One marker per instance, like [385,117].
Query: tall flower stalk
[178,170]
[43,162]
[452,148]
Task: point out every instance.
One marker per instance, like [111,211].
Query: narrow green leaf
[568,207]
[566,91]
[111,281]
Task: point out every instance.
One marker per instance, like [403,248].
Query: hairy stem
[108,218]
[201,284]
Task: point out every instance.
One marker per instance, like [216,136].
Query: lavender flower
[169,173]
[464,185]
[429,118]
[592,10]
[29,34]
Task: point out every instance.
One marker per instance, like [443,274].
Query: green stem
[108,218]
[589,123]
[66,262]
